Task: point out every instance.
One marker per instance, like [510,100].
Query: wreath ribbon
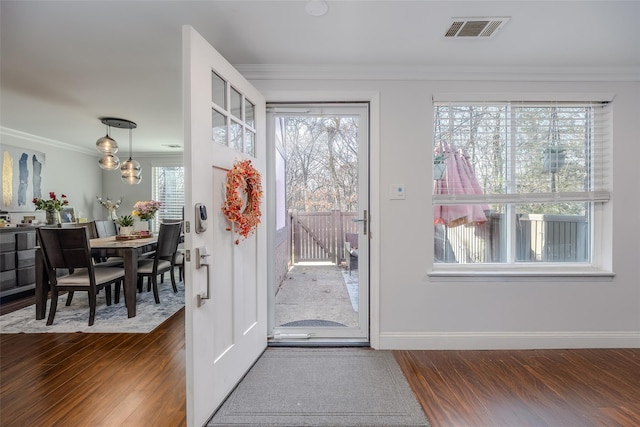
[243,178]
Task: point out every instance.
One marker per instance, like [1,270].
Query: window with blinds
[517,182]
[168,189]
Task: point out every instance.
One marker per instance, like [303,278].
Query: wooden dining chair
[90,226]
[105,228]
[179,261]
[163,260]
[69,249]
[92,231]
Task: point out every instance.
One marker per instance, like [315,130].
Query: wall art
[22,172]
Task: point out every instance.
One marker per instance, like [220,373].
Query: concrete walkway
[314,292]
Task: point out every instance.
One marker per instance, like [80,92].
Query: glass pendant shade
[132,180]
[131,172]
[109,162]
[107,145]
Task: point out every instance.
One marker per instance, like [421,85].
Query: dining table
[130,249]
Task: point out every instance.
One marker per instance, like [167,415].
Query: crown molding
[457,73]
[4,131]
[8,132]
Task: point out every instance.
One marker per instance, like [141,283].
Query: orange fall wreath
[243,178]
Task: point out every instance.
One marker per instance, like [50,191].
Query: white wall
[77,175]
[419,312]
[67,171]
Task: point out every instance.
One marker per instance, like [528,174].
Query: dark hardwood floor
[537,388]
[94,379]
[139,380]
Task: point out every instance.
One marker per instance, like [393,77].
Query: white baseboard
[507,340]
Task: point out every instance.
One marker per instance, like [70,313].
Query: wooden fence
[539,238]
[320,236]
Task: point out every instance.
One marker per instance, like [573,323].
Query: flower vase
[52,217]
[141,227]
[126,231]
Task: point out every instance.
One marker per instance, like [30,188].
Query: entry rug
[322,388]
[109,319]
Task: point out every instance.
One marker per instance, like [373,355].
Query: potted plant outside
[126,225]
[553,159]
[439,166]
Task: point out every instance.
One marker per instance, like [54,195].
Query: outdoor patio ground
[317,291]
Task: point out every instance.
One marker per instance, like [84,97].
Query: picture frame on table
[68,216]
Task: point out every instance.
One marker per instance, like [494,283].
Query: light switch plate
[396,192]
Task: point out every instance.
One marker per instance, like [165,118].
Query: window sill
[492,272]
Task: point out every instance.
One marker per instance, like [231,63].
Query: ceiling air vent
[475,27]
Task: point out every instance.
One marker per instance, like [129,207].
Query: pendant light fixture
[131,170]
[108,147]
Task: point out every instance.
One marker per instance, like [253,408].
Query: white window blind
[168,189]
[526,152]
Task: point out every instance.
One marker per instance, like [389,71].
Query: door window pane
[236,136]
[250,138]
[249,112]
[219,131]
[236,103]
[218,91]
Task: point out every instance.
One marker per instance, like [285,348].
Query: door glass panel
[320,254]
[219,131]
[249,113]
[236,135]
[236,103]
[218,91]
[250,138]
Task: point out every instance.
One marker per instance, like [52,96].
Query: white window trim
[601,265]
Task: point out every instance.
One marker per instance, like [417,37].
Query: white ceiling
[64,64]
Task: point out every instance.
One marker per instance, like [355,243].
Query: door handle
[201,254]
[363,220]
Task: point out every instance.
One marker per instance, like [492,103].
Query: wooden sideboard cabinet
[17,260]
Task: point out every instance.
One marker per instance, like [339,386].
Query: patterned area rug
[322,388]
[75,318]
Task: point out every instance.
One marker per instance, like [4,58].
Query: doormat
[314,322]
[322,388]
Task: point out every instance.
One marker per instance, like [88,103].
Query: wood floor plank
[555,388]
[79,379]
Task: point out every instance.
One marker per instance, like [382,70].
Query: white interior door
[224,121]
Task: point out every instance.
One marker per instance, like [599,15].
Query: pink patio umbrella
[459,178]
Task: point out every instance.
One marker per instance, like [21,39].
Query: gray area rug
[322,388]
[109,319]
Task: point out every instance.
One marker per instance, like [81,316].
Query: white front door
[224,121]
